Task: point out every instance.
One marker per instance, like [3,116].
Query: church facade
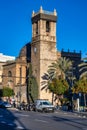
[40,53]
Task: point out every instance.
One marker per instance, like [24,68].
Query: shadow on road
[8,121]
[71,122]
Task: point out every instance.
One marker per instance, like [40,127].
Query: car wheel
[44,110]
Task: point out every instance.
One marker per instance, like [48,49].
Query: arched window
[9,74]
[36,27]
[47,26]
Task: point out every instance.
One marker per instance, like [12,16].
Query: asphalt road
[28,120]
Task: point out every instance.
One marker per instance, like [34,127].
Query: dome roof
[26,52]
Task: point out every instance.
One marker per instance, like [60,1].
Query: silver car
[44,106]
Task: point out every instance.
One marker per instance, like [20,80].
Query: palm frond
[83,74]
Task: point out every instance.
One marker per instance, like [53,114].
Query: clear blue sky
[16,27]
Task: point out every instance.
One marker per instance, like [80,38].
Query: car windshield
[47,103]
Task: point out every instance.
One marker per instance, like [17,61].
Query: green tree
[58,86]
[55,79]
[81,87]
[7,92]
[32,86]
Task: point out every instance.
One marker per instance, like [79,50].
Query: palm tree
[57,73]
[60,68]
[47,79]
[56,70]
[83,68]
[83,78]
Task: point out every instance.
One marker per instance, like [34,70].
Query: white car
[44,106]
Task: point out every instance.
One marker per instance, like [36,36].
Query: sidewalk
[12,108]
[80,113]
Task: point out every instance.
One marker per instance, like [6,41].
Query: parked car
[5,105]
[1,102]
[43,106]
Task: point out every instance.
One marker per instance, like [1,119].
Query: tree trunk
[84,99]
[52,97]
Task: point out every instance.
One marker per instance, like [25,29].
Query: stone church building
[40,53]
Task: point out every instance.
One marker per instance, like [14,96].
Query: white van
[43,105]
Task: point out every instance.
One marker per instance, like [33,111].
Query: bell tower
[43,46]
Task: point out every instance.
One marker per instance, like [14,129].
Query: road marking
[65,113]
[3,122]
[11,124]
[75,114]
[41,121]
[20,127]
[22,115]
[1,115]
[84,128]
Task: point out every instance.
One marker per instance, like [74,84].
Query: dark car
[1,102]
[5,105]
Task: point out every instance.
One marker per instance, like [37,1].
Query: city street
[29,120]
